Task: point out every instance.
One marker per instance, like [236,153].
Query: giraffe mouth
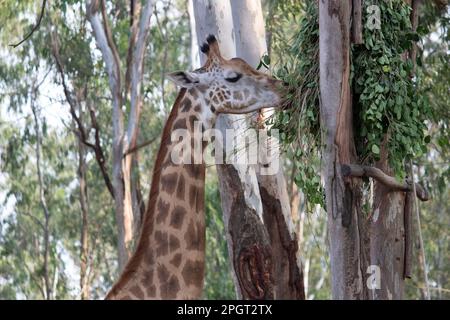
[250,109]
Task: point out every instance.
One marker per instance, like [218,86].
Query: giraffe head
[230,86]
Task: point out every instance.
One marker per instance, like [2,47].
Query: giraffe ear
[184,79]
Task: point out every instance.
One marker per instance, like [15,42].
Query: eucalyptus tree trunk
[370,256]
[127,208]
[251,45]
[346,231]
[248,242]
[391,226]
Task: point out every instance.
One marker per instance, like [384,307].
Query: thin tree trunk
[123,140]
[84,237]
[42,200]
[343,196]
[104,41]
[422,260]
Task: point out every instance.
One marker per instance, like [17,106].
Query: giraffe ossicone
[169,259]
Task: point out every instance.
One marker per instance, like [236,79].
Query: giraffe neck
[170,256]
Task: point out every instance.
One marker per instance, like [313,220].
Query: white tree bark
[241,202]
[136,74]
[122,141]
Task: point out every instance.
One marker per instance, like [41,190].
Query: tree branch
[136,74]
[139,146]
[353,170]
[36,26]
[135,10]
[81,133]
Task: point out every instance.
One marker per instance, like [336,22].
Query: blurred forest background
[57,223]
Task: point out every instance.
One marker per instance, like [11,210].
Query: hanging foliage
[386,100]
[298,122]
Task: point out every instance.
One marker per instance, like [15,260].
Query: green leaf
[375,149]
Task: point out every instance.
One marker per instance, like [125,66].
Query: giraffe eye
[235,77]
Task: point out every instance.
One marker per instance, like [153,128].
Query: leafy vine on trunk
[386,97]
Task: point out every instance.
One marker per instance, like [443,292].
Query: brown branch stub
[139,146]
[359,171]
[36,26]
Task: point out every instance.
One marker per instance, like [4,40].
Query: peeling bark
[251,45]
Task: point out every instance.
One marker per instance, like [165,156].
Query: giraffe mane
[147,225]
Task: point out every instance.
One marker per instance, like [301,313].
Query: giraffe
[169,259]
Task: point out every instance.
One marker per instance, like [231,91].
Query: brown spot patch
[163,211]
[192,195]
[192,120]
[181,187]
[150,257]
[148,277]
[177,217]
[187,104]
[194,94]
[162,243]
[174,243]
[180,124]
[137,292]
[176,260]
[193,272]
[170,288]
[195,236]
[151,291]
[199,203]
[193,170]
[163,273]
[169,182]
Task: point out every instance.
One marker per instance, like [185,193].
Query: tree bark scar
[281,240]
[254,269]
[252,252]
